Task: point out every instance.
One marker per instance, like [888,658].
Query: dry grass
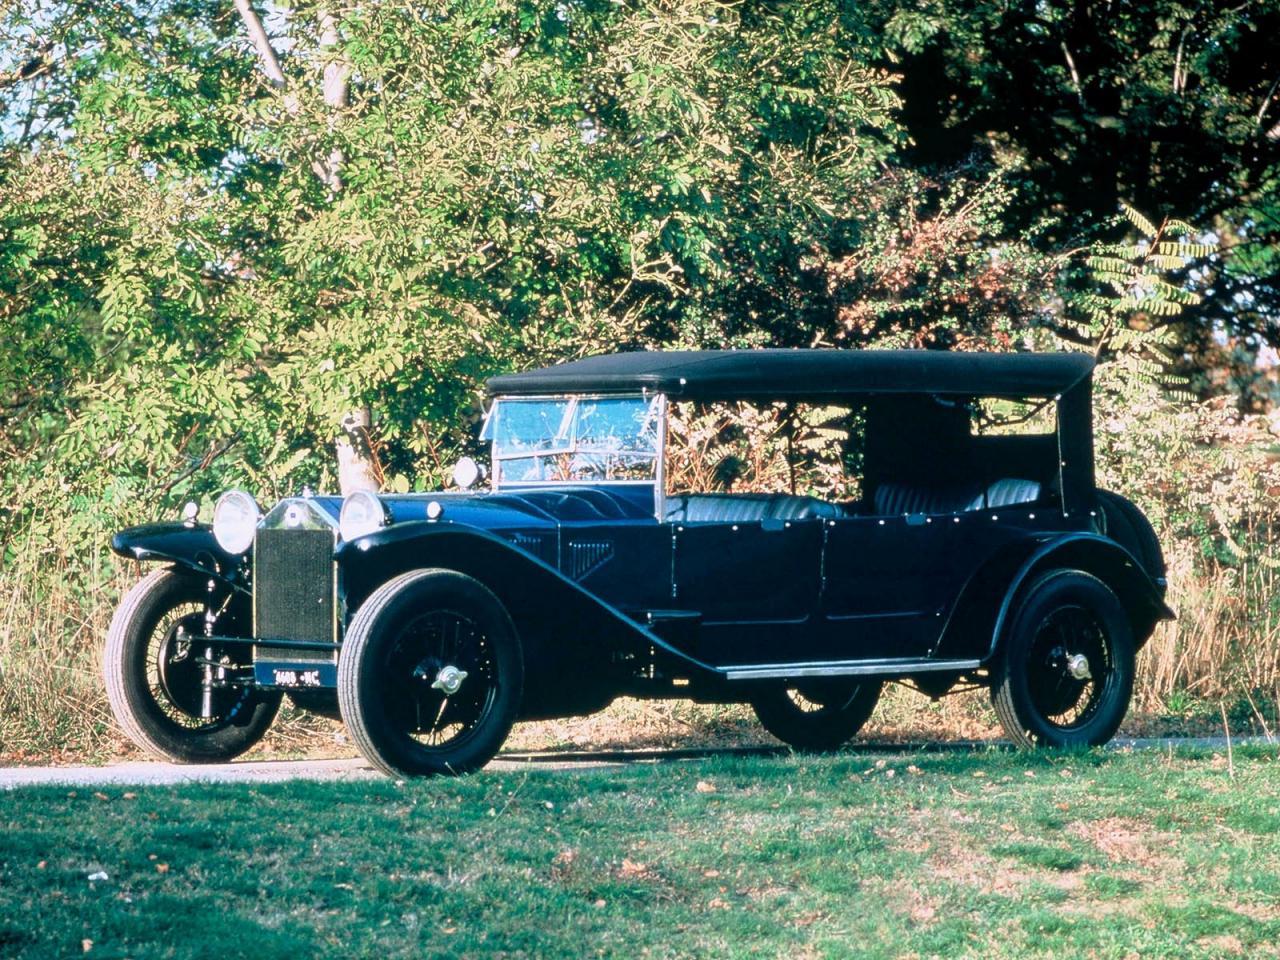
[1225,644]
[52,625]
[1223,649]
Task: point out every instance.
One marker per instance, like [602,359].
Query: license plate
[296,678]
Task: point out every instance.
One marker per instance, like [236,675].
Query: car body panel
[191,545]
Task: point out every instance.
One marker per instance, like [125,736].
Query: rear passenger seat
[895,499]
[891,500]
[746,507]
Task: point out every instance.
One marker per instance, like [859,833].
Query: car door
[887,584]
[755,585]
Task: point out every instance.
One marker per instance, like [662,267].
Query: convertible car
[970,547]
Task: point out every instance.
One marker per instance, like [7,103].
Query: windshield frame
[657,410]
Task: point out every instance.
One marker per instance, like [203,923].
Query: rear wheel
[820,714]
[1067,671]
[431,675]
[154,667]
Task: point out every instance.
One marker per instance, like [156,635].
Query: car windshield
[574,439]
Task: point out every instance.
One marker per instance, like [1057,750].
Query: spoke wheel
[1067,672]
[430,675]
[817,714]
[153,668]
[441,678]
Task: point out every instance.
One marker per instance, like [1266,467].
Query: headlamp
[235,521]
[362,514]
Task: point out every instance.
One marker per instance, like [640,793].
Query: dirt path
[149,773]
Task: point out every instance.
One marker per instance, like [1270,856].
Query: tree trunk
[358,467]
[337,73]
[261,43]
[362,471]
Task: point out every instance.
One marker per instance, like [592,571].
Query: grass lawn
[995,854]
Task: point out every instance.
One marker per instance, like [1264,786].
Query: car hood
[522,508]
[488,511]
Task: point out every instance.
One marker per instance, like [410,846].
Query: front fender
[988,600]
[188,545]
[571,637]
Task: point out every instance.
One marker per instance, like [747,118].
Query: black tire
[1128,526]
[399,645]
[817,715]
[153,678]
[1040,702]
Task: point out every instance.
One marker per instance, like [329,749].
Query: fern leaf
[1138,220]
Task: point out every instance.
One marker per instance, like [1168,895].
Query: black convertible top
[778,374]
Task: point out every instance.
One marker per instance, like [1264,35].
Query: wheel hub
[449,680]
[1078,666]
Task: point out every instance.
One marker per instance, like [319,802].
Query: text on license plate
[296,678]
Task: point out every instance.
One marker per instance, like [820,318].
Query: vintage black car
[430,623]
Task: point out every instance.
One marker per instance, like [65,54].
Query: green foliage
[1126,297]
[744,448]
[194,309]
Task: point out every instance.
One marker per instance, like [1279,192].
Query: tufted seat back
[1011,490]
[746,507]
[895,499]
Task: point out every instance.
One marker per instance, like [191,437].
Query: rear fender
[576,645]
[191,546]
[988,601]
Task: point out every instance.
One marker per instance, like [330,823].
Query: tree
[193,306]
[1173,107]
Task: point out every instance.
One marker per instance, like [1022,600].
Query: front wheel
[817,715]
[1066,675]
[155,667]
[431,675]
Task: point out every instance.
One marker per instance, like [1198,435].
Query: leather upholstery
[746,507]
[1010,490]
[891,500]
[895,499]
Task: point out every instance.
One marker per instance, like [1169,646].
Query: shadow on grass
[677,754]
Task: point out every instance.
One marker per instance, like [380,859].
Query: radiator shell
[295,594]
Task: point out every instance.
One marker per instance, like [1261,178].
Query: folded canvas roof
[782,374]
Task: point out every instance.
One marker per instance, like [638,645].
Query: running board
[846,668]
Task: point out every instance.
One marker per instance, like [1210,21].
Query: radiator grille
[293,592]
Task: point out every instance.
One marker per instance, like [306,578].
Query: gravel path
[150,773]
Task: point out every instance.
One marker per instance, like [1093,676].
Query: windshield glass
[573,439]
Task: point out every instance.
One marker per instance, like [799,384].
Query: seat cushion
[717,508]
[803,508]
[894,499]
